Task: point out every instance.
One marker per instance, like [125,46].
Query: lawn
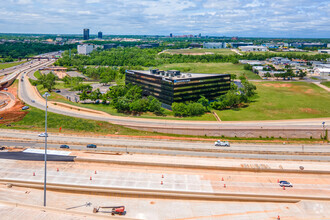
[199,51]
[327,84]
[7,65]
[279,100]
[35,120]
[219,68]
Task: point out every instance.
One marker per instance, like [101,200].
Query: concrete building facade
[85,49]
[214,45]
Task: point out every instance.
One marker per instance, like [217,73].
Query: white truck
[222,143]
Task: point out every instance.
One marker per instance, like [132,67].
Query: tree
[155,106]
[248,88]
[83,95]
[195,109]
[47,81]
[179,109]
[205,102]
[139,105]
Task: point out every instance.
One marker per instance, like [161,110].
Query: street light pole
[46,135]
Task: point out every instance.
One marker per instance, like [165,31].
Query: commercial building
[240,44]
[252,48]
[214,45]
[174,86]
[85,49]
[324,51]
[100,35]
[86,34]
[109,46]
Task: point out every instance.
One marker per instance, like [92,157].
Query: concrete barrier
[163,194]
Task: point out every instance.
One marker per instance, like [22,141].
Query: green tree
[195,109]
[205,102]
[179,109]
[47,81]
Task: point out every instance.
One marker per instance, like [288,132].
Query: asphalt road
[34,157]
[173,152]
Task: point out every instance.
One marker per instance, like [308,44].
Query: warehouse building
[174,86]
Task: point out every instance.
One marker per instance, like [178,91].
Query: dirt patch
[310,110]
[309,91]
[278,85]
[15,113]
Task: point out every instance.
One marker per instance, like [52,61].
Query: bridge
[37,58]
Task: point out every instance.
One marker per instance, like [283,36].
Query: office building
[109,46]
[86,34]
[174,86]
[85,49]
[240,44]
[171,35]
[214,45]
[252,48]
[100,35]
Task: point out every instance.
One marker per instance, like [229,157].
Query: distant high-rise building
[200,35]
[171,35]
[99,35]
[86,34]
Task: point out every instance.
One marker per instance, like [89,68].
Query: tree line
[151,57]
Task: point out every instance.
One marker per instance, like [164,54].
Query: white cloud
[300,18]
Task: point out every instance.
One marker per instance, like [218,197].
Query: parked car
[65,146]
[91,146]
[25,107]
[33,101]
[222,143]
[285,184]
[57,91]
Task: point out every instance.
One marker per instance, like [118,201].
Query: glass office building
[173,86]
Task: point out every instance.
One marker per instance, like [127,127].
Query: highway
[246,151]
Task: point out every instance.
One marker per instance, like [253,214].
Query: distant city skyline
[243,18]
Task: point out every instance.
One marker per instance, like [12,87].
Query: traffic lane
[171,144]
[184,153]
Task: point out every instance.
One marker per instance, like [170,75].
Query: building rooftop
[175,74]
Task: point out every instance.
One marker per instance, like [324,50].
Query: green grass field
[279,100]
[220,68]
[7,65]
[35,120]
[327,84]
[201,50]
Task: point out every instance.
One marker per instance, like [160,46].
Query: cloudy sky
[244,18]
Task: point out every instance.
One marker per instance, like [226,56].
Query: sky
[243,18]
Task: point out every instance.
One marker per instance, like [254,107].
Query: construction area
[78,189]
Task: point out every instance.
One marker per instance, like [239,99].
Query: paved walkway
[322,86]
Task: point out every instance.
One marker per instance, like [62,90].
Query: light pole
[46,135]
[323,124]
